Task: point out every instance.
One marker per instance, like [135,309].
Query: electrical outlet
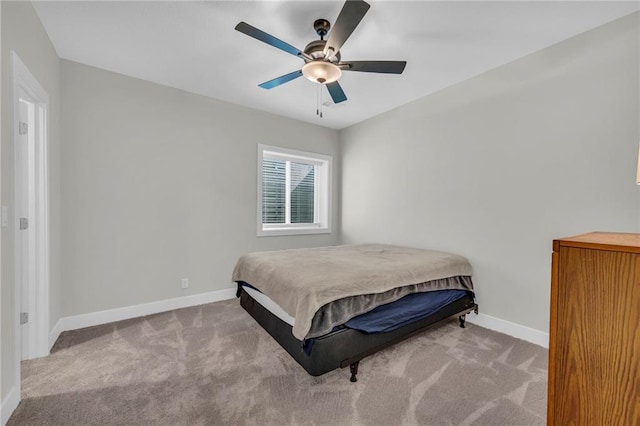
[185,283]
[5,216]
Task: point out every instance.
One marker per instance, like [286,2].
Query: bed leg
[354,371]
[462,319]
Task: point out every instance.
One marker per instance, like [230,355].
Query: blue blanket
[391,316]
[410,308]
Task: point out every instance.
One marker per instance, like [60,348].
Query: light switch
[5,216]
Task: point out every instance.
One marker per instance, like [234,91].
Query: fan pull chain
[319,101]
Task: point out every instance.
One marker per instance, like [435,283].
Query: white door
[30,104]
[25,212]
[31,214]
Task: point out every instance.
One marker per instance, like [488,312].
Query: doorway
[30,219]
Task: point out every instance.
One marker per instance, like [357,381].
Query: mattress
[324,287]
[383,318]
[307,297]
[345,346]
[269,305]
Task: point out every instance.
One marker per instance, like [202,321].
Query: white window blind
[293,191]
[303,193]
[273,191]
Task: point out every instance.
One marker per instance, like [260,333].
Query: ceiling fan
[322,57]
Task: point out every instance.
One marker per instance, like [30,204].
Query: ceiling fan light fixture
[321,72]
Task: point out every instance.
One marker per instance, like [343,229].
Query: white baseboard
[55,333]
[103,317]
[531,335]
[9,404]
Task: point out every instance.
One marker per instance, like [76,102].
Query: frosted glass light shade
[321,72]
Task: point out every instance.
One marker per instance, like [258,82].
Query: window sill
[274,232]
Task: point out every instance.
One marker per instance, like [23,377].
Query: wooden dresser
[594,342]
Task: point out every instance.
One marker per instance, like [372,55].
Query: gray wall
[496,167]
[160,184]
[23,33]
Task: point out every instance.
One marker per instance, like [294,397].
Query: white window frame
[322,211]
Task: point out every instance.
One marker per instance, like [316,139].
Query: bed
[330,307]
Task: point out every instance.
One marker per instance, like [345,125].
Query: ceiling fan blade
[247,29]
[336,92]
[386,67]
[350,16]
[280,80]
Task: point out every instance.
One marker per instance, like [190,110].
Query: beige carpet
[213,365]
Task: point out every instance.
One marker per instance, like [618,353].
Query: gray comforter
[303,282]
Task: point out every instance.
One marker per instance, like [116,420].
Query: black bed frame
[346,347]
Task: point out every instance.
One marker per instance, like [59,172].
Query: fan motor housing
[315,49]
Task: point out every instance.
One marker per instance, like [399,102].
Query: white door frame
[25,82]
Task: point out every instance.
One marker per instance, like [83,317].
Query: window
[293,192]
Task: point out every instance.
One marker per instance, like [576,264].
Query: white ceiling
[193,45]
